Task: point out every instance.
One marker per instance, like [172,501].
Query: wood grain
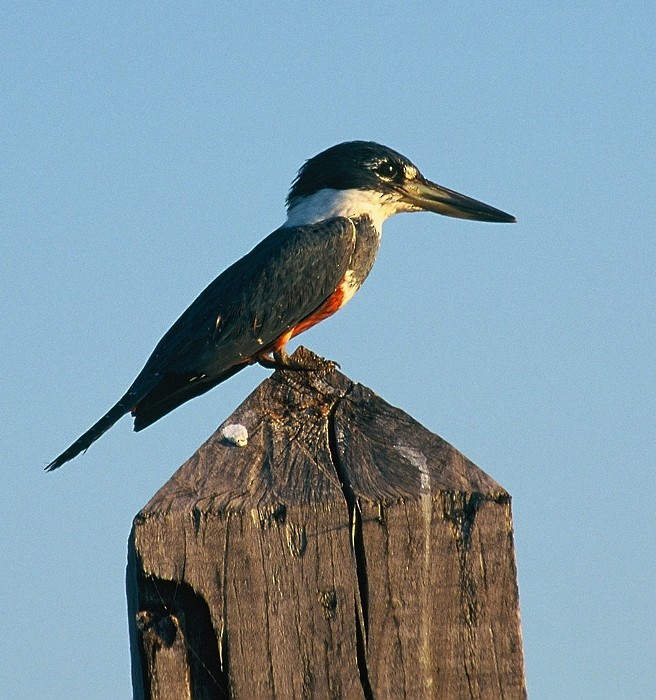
[344,552]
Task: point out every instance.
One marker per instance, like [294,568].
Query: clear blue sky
[147,146]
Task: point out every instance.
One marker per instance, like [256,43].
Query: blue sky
[147,146]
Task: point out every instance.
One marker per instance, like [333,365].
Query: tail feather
[84,442]
[172,391]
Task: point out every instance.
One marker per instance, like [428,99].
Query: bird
[297,276]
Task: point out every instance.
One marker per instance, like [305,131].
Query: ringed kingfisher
[300,274]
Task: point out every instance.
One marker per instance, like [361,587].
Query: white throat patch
[328,203]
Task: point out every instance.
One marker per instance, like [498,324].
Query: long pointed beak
[428,196]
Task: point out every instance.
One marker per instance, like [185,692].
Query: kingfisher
[299,275]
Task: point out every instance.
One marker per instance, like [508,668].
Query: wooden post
[343,552]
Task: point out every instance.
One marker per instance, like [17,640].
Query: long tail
[83,442]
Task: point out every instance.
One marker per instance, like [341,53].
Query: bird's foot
[281,360]
[324,366]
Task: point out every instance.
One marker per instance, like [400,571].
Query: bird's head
[362,177]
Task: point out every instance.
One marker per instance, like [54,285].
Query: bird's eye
[387,170]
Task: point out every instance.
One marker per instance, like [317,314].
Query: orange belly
[333,303]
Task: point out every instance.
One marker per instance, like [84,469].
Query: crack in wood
[359,553]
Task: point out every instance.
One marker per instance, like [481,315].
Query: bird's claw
[281,360]
[327,366]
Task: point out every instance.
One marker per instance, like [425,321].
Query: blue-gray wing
[283,280]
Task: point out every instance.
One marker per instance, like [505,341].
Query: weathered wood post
[344,552]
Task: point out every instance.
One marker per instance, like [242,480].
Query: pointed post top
[300,436]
